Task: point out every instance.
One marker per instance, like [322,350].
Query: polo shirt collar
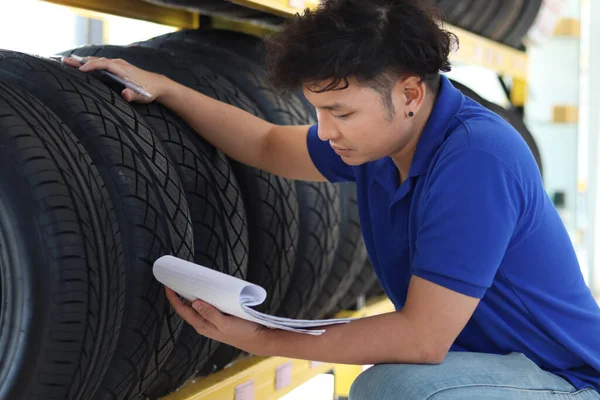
[447,104]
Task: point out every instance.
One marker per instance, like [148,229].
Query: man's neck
[403,158]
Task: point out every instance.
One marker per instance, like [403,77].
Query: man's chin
[353,160]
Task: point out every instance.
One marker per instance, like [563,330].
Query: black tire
[152,210]
[453,10]
[273,215]
[315,256]
[470,17]
[245,74]
[271,203]
[490,14]
[517,32]
[61,274]
[508,16]
[361,285]
[273,218]
[350,256]
[375,290]
[250,47]
[319,236]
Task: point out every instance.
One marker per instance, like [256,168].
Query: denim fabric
[466,376]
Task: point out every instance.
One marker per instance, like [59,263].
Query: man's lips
[340,150]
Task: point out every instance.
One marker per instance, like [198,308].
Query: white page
[228,294]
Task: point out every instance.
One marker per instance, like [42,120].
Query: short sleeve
[333,168]
[469,214]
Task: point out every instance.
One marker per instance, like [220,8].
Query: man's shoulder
[479,130]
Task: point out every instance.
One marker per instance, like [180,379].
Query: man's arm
[420,333]
[280,150]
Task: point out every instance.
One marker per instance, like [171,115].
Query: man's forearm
[239,134]
[386,338]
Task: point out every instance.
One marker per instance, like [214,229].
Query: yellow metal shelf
[473,50]
[136,9]
[477,50]
[284,8]
[269,378]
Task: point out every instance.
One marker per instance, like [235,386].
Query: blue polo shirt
[473,216]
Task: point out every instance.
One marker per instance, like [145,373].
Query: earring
[410,114]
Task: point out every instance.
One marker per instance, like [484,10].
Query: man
[489,295]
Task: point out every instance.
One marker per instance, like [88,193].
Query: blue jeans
[466,376]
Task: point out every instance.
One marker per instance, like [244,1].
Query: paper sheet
[229,294]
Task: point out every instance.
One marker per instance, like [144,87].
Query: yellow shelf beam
[283,8]
[137,9]
[259,377]
[477,50]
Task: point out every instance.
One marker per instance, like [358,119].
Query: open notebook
[229,294]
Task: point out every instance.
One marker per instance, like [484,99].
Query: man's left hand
[210,322]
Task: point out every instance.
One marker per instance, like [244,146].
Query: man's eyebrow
[334,106]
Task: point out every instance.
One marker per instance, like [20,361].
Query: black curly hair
[374,41]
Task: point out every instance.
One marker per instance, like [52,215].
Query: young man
[490,299]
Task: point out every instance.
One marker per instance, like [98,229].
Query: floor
[318,388]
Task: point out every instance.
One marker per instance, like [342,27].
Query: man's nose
[327,130]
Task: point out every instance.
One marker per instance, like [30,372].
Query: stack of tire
[93,190]
[504,21]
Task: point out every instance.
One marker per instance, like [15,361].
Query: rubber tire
[490,14]
[375,290]
[271,203]
[149,200]
[517,32]
[248,76]
[248,46]
[263,192]
[250,80]
[509,14]
[61,276]
[273,236]
[470,17]
[453,10]
[212,189]
[315,256]
[350,257]
[361,285]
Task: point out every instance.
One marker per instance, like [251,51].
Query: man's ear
[414,93]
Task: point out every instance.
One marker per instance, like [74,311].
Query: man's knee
[366,382]
[387,381]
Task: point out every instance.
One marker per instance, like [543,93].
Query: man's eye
[343,116]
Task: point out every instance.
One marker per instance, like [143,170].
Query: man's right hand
[154,84]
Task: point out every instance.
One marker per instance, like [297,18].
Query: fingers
[209,313]
[74,63]
[129,95]
[189,315]
[114,66]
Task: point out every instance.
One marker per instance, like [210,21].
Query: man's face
[357,122]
